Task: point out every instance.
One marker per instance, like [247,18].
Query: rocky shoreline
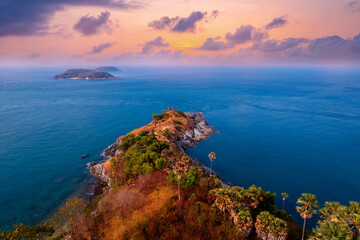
[188,139]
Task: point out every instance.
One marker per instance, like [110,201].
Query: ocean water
[284,129]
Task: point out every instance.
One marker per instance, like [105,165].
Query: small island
[108,69]
[85,74]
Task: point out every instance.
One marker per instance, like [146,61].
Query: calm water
[284,129]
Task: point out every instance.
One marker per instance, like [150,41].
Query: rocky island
[84,74]
[108,69]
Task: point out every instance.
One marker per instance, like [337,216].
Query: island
[85,74]
[108,69]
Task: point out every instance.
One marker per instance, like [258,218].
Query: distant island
[108,69]
[86,74]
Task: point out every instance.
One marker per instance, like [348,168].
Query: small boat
[84,156]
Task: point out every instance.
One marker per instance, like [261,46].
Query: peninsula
[85,74]
[150,188]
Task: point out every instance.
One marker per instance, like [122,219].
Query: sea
[285,129]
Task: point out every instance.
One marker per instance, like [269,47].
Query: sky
[179,32]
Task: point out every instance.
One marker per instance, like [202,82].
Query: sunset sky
[187,32]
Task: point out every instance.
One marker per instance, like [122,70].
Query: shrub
[22,231]
[160,163]
[142,156]
[157,117]
[178,122]
[270,227]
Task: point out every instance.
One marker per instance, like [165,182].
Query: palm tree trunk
[283,204]
[303,233]
[211,168]
[179,189]
[355,235]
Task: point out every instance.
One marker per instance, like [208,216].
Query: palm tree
[284,195]
[212,157]
[331,230]
[307,204]
[179,180]
[352,218]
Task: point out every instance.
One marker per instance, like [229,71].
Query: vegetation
[285,196]
[212,157]
[270,227]
[22,231]
[306,207]
[141,155]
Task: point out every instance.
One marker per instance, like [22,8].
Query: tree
[212,157]
[269,227]
[284,195]
[331,230]
[179,180]
[307,204]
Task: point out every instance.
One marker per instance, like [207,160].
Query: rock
[201,131]
[112,150]
[97,169]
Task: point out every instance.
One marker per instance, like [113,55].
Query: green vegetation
[190,178]
[180,113]
[161,116]
[22,231]
[338,222]
[141,155]
[270,227]
[178,122]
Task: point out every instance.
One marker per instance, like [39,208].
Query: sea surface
[281,128]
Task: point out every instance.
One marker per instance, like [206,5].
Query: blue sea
[287,129]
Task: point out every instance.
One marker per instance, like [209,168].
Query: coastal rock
[200,131]
[112,150]
[97,169]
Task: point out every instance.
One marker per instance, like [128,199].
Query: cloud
[89,25]
[244,34]
[353,6]
[24,17]
[276,45]
[334,46]
[101,47]
[163,23]
[148,47]
[277,23]
[212,44]
[181,25]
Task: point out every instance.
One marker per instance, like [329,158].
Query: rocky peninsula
[182,129]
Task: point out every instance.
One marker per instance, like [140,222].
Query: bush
[22,231]
[160,163]
[270,227]
[141,155]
